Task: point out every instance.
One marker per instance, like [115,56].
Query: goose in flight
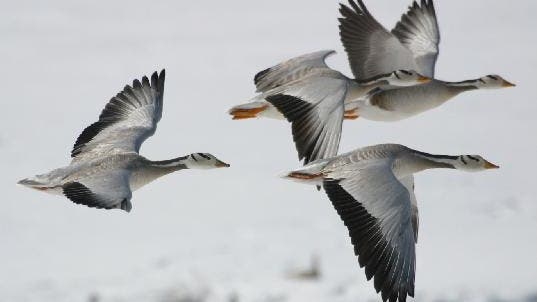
[314,99]
[412,44]
[372,190]
[106,166]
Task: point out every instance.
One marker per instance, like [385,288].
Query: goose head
[473,163]
[204,161]
[406,78]
[493,82]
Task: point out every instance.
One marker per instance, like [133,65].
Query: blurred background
[243,234]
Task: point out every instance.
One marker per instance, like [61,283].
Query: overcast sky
[239,229]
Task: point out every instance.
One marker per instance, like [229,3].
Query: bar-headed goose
[372,190]
[106,166]
[313,98]
[412,44]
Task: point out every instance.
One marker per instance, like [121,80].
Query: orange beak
[508,84]
[221,164]
[424,80]
[489,165]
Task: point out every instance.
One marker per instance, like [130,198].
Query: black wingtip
[156,76]
[260,75]
[157,81]
[359,6]
[136,83]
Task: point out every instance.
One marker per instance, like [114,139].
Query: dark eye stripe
[493,77]
[472,158]
[405,72]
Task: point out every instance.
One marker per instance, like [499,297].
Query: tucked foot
[351,114]
[246,113]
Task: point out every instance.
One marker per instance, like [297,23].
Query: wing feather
[127,120]
[418,30]
[108,191]
[376,208]
[291,70]
[371,49]
[315,110]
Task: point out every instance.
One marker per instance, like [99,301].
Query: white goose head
[203,161]
[493,82]
[406,78]
[472,163]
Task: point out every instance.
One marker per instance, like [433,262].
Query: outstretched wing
[418,30]
[126,122]
[104,191]
[315,110]
[371,49]
[377,210]
[291,70]
[408,182]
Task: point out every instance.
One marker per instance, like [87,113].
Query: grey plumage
[313,97]
[106,166]
[373,50]
[372,190]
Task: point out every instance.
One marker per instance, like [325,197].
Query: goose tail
[35,183]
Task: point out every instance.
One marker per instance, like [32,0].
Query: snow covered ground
[234,235]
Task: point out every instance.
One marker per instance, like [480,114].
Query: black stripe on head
[493,77]
[463,161]
[204,156]
[396,75]
[472,158]
[193,157]
[405,72]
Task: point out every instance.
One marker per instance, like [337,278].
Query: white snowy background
[236,234]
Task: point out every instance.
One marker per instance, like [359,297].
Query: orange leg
[351,114]
[241,114]
[298,175]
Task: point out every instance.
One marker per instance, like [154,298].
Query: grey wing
[127,120]
[376,208]
[418,30]
[315,110]
[105,191]
[371,49]
[291,70]
[408,182]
